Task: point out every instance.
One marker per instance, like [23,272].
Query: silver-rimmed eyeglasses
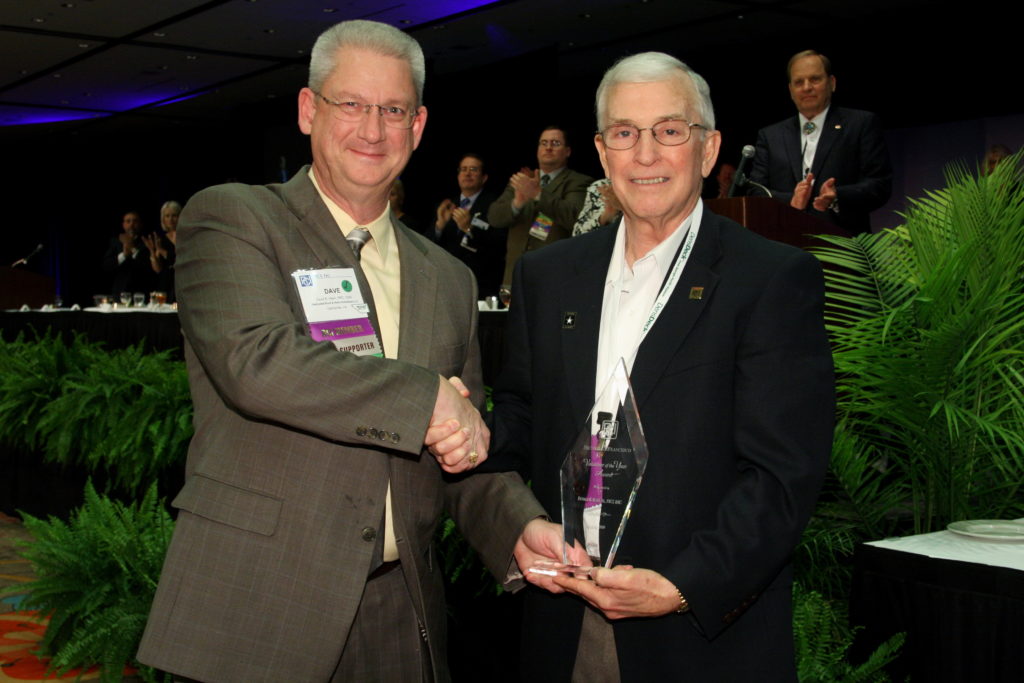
[626,135]
[350,110]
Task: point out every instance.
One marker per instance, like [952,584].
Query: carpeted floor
[19,630]
[13,570]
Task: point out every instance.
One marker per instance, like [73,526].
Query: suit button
[369,534]
[360,430]
[395,438]
[382,435]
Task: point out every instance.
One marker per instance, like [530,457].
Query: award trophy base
[551,568]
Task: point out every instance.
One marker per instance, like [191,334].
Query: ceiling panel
[128,76]
[22,54]
[109,18]
[120,54]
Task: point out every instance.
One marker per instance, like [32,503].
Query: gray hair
[654,67]
[369,35]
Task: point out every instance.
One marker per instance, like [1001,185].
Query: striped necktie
[357,239]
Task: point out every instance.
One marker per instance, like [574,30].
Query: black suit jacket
[133,274]
[851,149]
[483,250]
[735,392]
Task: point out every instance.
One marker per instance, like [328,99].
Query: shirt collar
[472,197]
[819,120]
[661,254]
[551,174]
[380,228]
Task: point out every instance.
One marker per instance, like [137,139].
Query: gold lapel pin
[696,293]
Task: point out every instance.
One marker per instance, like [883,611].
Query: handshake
[457,436]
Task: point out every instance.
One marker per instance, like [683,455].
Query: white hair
[654,67]
[368,35]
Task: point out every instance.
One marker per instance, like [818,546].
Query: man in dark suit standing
[828,161]
[461,227]
[540,206]
[127,259]
[319,335]
[722,332]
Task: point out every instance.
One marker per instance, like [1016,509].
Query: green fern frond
[96,577]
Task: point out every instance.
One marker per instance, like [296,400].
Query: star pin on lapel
[569,320]
[696,293]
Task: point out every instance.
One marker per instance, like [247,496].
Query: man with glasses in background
[722,333]
[540,205]
[320,333]
[461,227]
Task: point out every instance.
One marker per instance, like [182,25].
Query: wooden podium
[775,220]
[19,287]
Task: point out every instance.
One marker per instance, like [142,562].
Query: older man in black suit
[723,335]
[826,160]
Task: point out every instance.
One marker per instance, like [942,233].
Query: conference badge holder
[336,311]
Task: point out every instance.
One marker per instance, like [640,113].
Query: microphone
[740,179]
[23,261]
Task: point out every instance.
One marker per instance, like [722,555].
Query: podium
[775,220]
[18,287]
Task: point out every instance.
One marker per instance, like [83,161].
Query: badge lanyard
[668,286]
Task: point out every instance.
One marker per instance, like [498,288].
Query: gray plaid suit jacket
[295,442]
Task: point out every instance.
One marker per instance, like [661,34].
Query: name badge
[541,227]
[480,223]
[336,311]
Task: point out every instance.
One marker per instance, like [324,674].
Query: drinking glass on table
[126,299]
[138,300]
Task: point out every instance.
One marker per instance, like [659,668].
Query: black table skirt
[161,331]
[157,331]
[964,621]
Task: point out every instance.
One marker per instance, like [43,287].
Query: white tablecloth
[946,545]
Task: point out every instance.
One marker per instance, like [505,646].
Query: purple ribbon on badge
[340,329]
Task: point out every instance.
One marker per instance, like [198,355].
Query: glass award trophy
[600,477]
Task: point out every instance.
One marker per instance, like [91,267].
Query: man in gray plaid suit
[302,550]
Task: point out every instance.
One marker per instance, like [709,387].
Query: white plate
[992,529]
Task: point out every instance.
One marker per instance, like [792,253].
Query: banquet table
[959,598]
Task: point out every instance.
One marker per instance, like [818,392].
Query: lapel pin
[569,320]
[839,126]
[696,293]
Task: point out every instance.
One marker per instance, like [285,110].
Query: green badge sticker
[346,285]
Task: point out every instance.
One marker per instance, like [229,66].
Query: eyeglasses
[394,117]
[469,169]
[550,143]
[626,135]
